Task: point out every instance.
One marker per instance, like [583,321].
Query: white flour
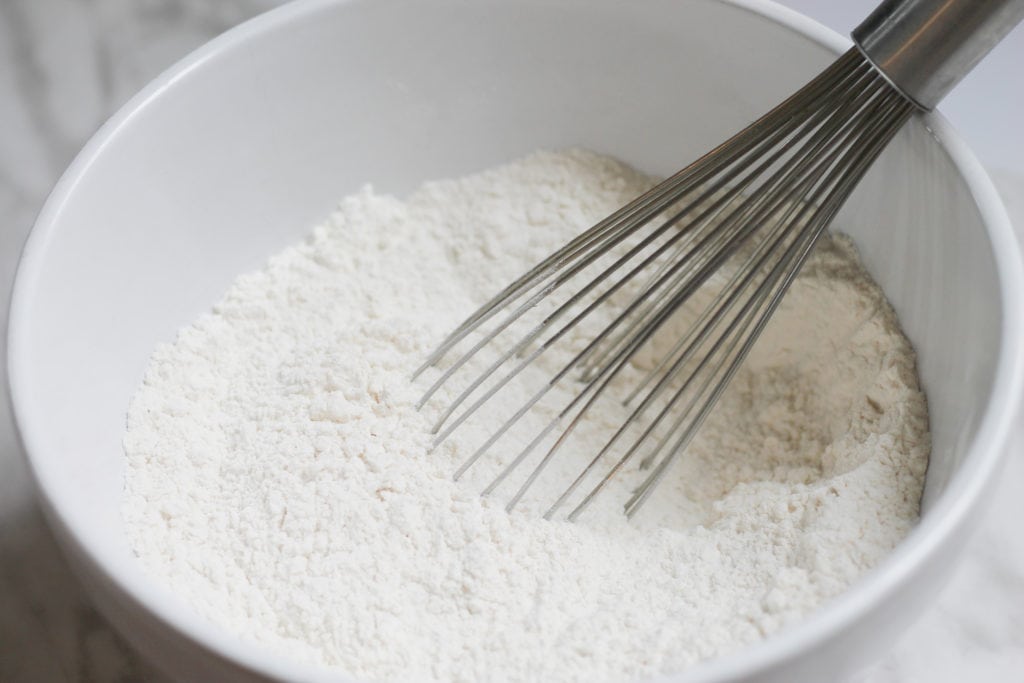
[278,477]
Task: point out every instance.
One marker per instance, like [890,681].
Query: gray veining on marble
[65,65]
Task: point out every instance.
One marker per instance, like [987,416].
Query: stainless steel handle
[924,47]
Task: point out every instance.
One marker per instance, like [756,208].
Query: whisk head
[739,222]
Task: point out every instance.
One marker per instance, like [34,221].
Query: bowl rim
[950,512]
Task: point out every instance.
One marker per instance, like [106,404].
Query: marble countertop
[65,65]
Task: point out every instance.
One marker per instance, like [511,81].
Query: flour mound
[278,476]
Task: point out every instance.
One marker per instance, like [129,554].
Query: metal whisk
[744,217]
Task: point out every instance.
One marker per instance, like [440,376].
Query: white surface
[65,65]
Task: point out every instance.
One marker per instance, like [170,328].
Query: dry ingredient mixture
[278,476]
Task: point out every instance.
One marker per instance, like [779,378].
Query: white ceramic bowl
[238,149]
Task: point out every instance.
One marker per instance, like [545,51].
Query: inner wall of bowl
[920,235]
[241,154]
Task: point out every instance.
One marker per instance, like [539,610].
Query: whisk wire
[725,229]
[757,204]
[862,159]
[658,197]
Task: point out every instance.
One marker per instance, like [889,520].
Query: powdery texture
[278,476]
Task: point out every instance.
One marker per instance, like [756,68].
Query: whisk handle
[924,47]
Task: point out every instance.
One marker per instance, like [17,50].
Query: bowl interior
[229,159]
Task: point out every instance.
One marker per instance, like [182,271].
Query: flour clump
[279,477]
